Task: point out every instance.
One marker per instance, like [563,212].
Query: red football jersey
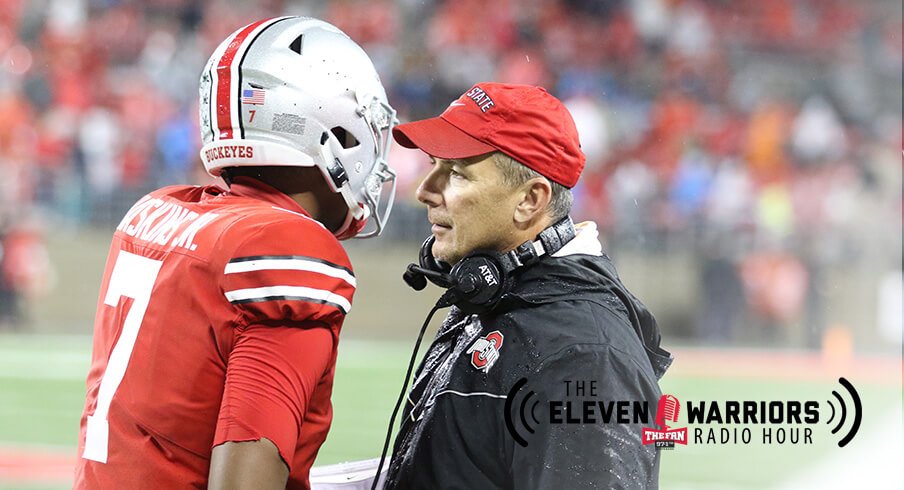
[218,320]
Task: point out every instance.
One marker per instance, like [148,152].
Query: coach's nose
[429,191]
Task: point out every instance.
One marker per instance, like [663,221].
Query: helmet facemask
[364,192]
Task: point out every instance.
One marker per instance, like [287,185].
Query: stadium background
[744,165]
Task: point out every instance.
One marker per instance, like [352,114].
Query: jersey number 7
[133,276]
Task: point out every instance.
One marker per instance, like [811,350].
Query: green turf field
[42,389]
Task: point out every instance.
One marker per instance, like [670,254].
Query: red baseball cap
[522,121]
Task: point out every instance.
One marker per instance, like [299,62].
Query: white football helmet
[296,91]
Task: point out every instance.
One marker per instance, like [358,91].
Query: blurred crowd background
[751,147]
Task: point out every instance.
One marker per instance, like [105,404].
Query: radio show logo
[774,422]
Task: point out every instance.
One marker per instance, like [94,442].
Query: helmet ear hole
[345,137]
[296,44]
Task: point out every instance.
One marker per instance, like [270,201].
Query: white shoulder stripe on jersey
[264,264]
[473,393]
[271,293]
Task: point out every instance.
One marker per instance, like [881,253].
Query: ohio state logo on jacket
[485,351]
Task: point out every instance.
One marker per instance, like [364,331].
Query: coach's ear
[534,197]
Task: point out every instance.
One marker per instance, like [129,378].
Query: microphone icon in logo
[666,411]
[669,406]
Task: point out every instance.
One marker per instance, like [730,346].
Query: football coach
[545,371]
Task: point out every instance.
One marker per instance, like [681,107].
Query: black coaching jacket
[517,398]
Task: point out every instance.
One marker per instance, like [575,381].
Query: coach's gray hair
[514,174]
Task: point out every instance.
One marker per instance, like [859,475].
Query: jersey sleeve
[270,378]
[290,271]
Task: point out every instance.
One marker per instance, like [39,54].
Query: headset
[477,282]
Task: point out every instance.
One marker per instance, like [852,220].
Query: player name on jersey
[164,223]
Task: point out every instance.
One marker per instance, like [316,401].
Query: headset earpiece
[427,261]
[477,282]
[480,281]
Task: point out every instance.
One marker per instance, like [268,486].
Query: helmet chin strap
[355,211]
[340,184]
[354,222]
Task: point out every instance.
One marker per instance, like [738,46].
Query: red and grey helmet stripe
[226,80]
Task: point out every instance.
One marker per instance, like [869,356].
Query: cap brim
[439,138]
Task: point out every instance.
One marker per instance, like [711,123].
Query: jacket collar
[580,270]
[585,242]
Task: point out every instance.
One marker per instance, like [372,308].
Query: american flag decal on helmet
[253,96]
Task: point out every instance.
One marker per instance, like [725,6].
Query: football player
[220,310]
